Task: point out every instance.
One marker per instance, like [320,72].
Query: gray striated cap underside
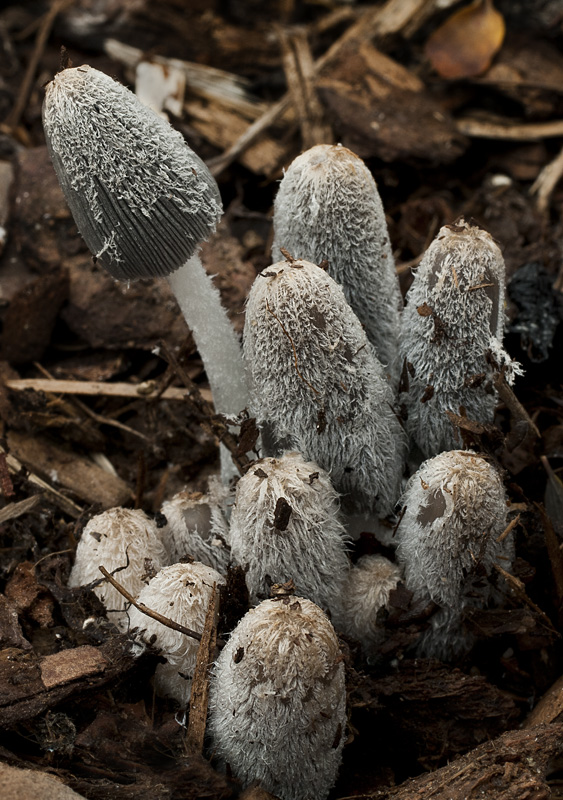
[140,197]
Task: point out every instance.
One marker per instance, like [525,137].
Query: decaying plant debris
[103,398]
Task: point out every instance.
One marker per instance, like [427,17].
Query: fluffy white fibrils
[328,208]
[277,700]
[124,539]
[455,510]
[365,594]
[317,386]
[141,198]
[451,336]
[143,201]
[285,525]
[182,593]
[197,527]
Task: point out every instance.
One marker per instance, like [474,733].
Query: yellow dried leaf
[466,43]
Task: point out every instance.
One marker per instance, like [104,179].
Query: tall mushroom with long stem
[143,202]
[328,208]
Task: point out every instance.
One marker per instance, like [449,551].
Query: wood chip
[15,510]
[549,708]
[78,474]
[70,665]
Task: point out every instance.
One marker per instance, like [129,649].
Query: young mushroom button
[143,202]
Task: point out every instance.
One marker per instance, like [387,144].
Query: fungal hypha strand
[180,592]
[450,538]
[277,700]
[451,336]
[143,201]
[119,539]
[285,526]
[328,209]
[317,385]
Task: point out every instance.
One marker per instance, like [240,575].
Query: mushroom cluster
[324,340]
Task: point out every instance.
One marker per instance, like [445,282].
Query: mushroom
[455,510]
[328,208]
[365,595]
[182,593]
[285,526]
[143,202]
[317,386]
[119,539]
[277,700]
[196,526]
[451,336]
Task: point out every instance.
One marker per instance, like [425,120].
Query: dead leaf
[466,43]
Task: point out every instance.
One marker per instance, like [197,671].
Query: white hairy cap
[328,207]
[455,509]
[285,525]
[317,386]
[365,593]
[453,321]
[117,538]
[182,593]
[197,527]
[140,197]
[277,700]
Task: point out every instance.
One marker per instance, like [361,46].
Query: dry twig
[148,611]
[200,682]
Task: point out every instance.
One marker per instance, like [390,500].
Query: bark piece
[71,665]
[380,109]
[79,474]
[512,767]
[24,695]
[27,784]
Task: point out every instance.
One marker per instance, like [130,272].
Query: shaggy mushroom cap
[182,593]
[118,538]
[451,336]
[197,527]
[141,198]
[285,525]
[277,700]
[455,510]
[317,386]
[143,201]
[365,594]
[328,208]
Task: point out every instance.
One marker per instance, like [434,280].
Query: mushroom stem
[218,347]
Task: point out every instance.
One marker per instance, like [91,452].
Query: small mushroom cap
[365,593]
[328,209]
[197,526]
[141,198]
[117,538]
[182,593]
[455,511]
[277,700]
[285,525]
[318,387]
